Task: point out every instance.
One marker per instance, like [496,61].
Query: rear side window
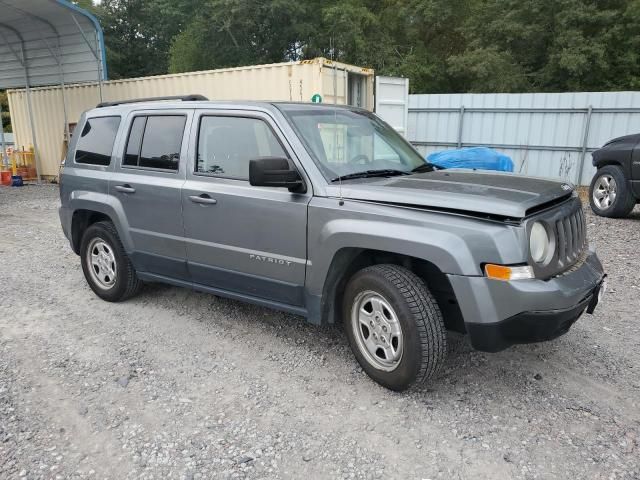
[95,144]
[135,140]
[227,144]
[155,141]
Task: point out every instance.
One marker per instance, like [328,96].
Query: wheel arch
[98,207]
[349,260]
[607,162]
[80,221]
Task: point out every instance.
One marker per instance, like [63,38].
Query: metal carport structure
[48,42]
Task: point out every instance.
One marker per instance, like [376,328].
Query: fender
[458,247]
[618,152]
[106,204]
[454,244]
[434,246]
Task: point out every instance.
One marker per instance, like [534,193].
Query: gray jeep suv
[328,213]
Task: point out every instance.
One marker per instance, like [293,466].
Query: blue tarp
[481,158]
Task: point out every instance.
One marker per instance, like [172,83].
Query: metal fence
[547,135]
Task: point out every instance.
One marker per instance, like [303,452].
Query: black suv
[615,188]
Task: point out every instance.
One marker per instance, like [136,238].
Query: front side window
[227,144]
[155,141]
[344,141]
[95,144]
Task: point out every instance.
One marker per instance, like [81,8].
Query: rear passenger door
[240,238]
[147,182]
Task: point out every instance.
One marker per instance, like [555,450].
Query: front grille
[566,225]
[571,237]
[576,265]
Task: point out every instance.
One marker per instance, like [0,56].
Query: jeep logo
[262,258]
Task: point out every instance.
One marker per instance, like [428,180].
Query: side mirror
[275,172]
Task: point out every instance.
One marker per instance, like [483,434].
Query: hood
[495,194]
[633,139]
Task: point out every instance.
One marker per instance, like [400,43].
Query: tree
[396,37]
[138,33]
[441,45]
[227,33]
[6,119]
[549,45]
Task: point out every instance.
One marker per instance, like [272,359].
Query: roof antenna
[335,120]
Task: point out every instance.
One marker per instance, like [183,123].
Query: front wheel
[394,326]
[609,193]
[105,264]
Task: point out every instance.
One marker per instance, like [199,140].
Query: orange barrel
[5,177]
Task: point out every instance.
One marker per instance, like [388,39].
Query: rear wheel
[394,326]
[105,264]
[609,193]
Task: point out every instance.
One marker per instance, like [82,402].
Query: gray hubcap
[604,192]
[102,263]
[377,330]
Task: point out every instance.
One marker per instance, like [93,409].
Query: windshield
[344,142]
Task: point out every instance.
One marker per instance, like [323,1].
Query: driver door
[242,239]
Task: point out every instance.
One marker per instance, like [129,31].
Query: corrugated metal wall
[296,81]
[546,134]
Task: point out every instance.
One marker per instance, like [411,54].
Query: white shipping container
[293,81]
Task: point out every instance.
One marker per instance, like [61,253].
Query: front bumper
[499,314]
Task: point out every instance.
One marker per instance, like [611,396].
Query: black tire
[624,200]
[424,342]
[126,282]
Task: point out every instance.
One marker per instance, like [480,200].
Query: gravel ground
[179,384]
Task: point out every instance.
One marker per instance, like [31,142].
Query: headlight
[539,244]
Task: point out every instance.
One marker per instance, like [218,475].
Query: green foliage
[226,33]
[6,119]
[138,33]
[441,45]
[551,45]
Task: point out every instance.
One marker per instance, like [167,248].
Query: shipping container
[300,81]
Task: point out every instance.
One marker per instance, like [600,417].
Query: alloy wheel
[377,330]
[605,191]
[102,263]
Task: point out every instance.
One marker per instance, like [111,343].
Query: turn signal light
[502,272]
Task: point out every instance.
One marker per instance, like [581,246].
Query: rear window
[155,141]
[95,144]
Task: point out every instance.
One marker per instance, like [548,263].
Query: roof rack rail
[182,98]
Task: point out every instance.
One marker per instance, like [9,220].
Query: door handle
[126,188]
[203,199]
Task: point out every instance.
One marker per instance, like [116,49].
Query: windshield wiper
[385,172]
[426,167]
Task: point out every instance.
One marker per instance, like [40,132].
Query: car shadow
[635,214]
[464,369]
